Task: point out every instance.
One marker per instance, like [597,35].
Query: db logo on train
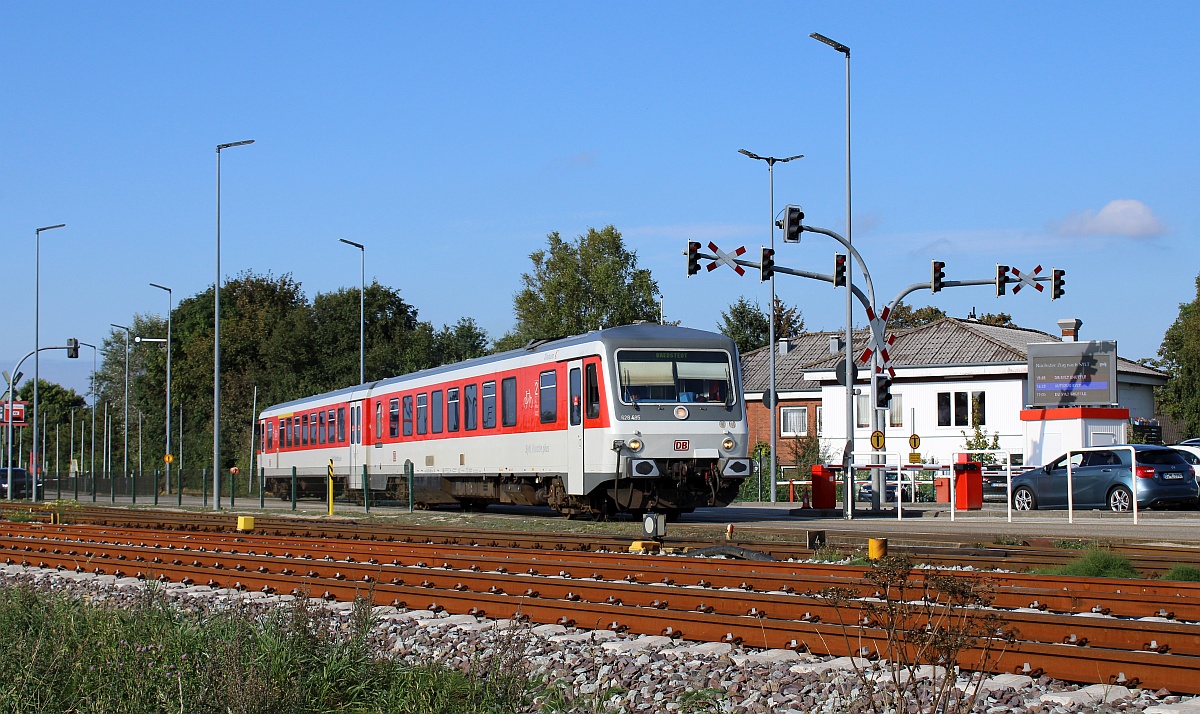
[682,444]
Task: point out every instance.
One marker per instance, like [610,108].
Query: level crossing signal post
[882,373]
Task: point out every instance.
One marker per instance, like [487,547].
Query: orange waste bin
[968,486]
[824,487]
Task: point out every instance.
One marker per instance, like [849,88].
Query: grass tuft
[1182,573]
[1098,563]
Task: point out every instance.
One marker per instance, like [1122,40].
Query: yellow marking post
[331,487]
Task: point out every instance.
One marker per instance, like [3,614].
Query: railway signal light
[939,274]
[72,348]
[883,393]
[766,265]
[839,270]
[1056,283]
[1001,278]
[793,224]
[693,258]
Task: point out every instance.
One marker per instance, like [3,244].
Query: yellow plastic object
[644,546]
[876,548]
[245,523]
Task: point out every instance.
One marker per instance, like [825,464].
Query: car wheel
[1120,499]
[1024,500]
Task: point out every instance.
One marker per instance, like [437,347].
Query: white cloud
[1124,217]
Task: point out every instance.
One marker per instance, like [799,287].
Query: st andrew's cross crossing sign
[726,258]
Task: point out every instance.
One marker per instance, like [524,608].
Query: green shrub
[1099,563]
[1182,573]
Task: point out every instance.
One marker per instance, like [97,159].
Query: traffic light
[1056,283]
[693,258]
[839,270]
[883,393]
[939,274]
[766,266]
[793,223]
[1001,278]
[72,348]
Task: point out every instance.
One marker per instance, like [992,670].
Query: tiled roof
[949,341]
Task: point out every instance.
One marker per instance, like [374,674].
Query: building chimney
[785,346]
[1070,329]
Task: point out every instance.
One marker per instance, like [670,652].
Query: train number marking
[683,445]
[631,417]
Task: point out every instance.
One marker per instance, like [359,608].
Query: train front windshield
[655,376]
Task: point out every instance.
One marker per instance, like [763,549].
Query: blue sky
[450,138]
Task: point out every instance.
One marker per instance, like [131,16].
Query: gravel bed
[602,671]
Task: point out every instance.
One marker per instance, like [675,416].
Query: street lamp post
[170,309]
[37,344]
[217,339]
[848,476]
[362,320]
[125,468]
[774,400]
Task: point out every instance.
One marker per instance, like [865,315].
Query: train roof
[625,335]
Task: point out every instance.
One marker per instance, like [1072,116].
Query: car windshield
[680,376]
[1161,457]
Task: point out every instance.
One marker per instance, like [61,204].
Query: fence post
[156,487]
[58,478]
[261,496]
[133,486]
[76,480]
[112,487]
[204,486]
[232,483]
[293,488]
[366,490]
[408,475]
[179,486]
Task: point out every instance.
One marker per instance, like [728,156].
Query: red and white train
[634,418]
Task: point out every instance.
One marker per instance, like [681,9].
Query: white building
[950,375]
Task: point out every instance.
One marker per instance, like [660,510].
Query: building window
[862,411]
[820,420]
[548,397]
[961,409]
[508,394]
[896,411]
[393,417]
[793,421]
[489,405]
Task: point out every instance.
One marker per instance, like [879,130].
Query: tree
[746,323]
[999,319]
[587,284]
[1179,357]
[55,403]
[462,341]
[903,315]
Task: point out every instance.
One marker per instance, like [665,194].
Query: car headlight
[635,445]
[728,444]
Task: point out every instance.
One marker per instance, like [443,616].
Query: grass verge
[1096,563]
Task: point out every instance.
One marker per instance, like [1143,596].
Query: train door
[575,440]
[357,455]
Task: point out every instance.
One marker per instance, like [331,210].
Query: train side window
[341,424]
[593,392]
[575,389]
[548,396]
[358,425]
[393,417]
[285,433]
[379,420]
[270,433]
[408,416]
[435,411]
[312,429]
[422,413]
[452,409]
[508,395]
[321,427]
[331,422]
[351,425]
[489,405]
[304,430]
[469,411]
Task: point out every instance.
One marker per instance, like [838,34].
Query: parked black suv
[20,483]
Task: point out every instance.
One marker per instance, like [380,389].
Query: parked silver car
[1104,479]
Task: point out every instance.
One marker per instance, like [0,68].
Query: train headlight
[728,444]
[635,445]
[681,412]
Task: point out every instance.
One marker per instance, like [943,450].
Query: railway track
[948,550]
[1079,630]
